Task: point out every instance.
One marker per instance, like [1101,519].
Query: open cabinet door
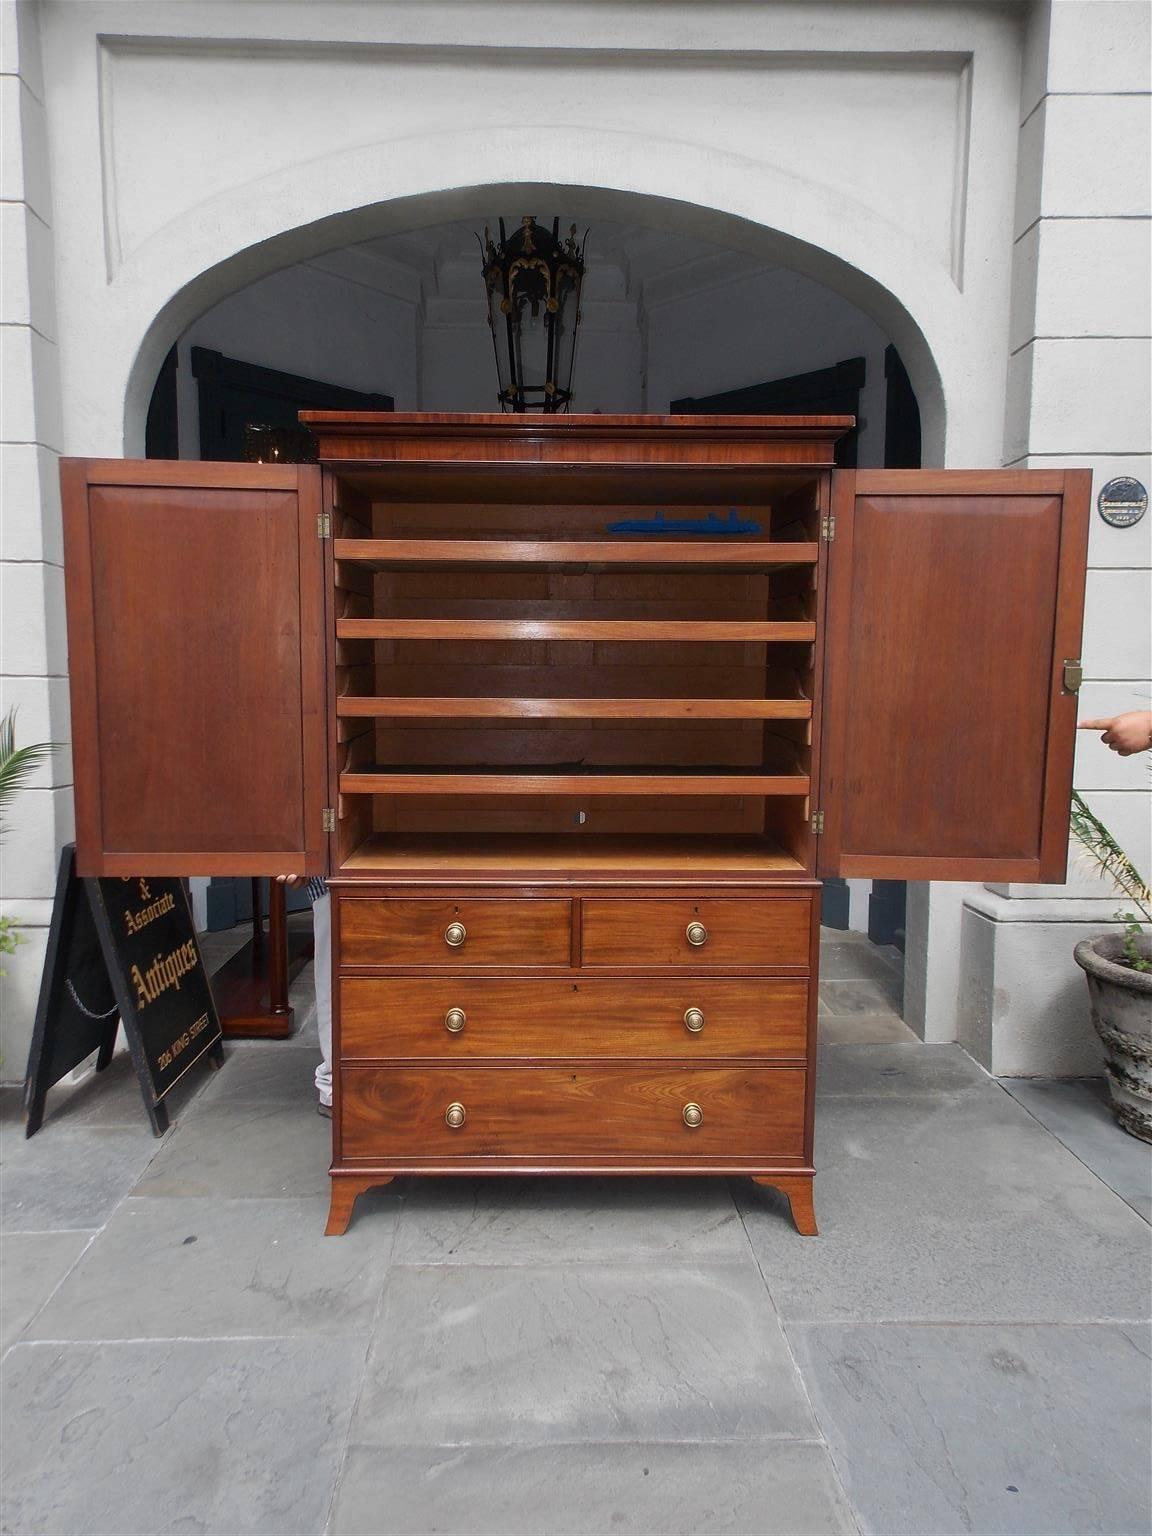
[196,638]
[955,598]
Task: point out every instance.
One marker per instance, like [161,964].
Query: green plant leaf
[17,764]
[1103,853]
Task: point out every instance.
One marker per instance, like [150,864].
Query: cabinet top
[577,439]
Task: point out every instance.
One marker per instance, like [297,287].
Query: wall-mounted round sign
[1122,502]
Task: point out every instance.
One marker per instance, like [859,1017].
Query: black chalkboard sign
[121,951]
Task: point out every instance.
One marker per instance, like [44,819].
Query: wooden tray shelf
[389,554]
[566,781]
[357,706]
[603,856]
[573,629]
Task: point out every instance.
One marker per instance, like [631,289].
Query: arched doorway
[670,319]
[797,280]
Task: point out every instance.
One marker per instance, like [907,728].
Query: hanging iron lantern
[533,280]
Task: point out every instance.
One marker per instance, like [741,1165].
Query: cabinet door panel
[954,599]
[196,645]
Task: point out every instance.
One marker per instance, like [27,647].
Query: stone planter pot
[1121,1000]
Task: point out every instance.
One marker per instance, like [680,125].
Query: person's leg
[322,930]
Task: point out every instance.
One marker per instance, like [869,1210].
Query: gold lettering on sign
[164,972]
[134,921]
[167,1057]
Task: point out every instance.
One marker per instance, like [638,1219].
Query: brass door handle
[696,934]
[693,1116]
[693,1020]
[455,1116]
[455,934]
[455,1020]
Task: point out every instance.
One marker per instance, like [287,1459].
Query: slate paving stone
[244,1149]
[999,1431]
[1078,1116]
[856,961]
[212,1268]
[863,1029]
[545,1342]
[109,1100]
[218,1438]
[262,1073]
[887,1070]
[866,996]
[302,997]
[102,1100]
[219,946]
[70,1179]
[784,1486]
[567,1221]
[32,1265]
[949,1207]
[531,1355]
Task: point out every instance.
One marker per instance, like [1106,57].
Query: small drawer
[707,934]
[551,1116]
[456,1018]
[461,933]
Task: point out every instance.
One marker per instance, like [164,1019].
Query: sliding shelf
[354,706]
[563,781]
[572,629]
[604,856]
[390,554]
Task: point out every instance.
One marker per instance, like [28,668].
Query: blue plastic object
[713,525]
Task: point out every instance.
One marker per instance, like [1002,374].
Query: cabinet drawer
[554,1114]
[401,931]
[457,1018]
[734,935]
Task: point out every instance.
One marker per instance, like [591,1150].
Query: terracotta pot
[1121,1000]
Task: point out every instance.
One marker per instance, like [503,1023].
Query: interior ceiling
[640,253]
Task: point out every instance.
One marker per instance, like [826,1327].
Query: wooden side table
[251,988]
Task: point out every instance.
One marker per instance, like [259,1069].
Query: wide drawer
[551,1115]
[404,931]
[455,1018]
[730,935]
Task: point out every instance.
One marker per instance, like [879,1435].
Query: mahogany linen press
[574,712]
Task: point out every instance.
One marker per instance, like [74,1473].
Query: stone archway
[581,202]
[840,243]
[913,335]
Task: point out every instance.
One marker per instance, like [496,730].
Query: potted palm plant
[1118,968]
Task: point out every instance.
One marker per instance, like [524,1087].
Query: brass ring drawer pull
[693,1020]
[455,1020]
[455,934]
[696,934]
[693,1116]
[455,1116]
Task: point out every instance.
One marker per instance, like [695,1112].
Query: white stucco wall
[1079,393]
[33,652]
[714,116]
[174,152]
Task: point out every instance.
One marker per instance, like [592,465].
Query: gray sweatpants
[322,930]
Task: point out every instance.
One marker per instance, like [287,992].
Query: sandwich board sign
[121,951]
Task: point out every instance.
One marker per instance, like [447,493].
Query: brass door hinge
[329,819]
[818,822]
[323,525]
[1073,675]
[828,526]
